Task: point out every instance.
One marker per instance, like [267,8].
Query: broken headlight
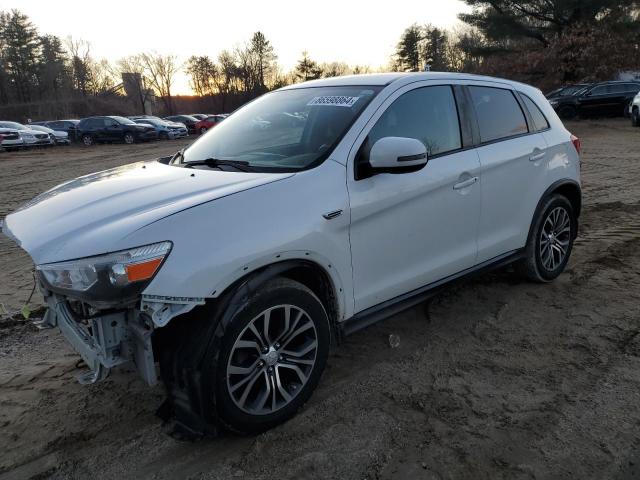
[106,280]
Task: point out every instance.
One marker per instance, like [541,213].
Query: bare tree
[161,70]
[80,53]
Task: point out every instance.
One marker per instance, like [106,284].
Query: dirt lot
[495,379]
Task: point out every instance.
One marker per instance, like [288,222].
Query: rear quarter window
[539,120]
[499,114]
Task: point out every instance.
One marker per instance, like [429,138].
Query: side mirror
[397,152]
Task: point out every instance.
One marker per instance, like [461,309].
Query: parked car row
[103,129]
[16,135]
[613,98]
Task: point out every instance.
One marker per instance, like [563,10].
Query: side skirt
[408,300]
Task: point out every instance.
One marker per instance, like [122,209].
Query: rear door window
[601,90]
[539,120]
[499,114]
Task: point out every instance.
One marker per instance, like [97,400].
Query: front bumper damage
[106,339]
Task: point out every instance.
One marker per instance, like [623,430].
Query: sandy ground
[495,379]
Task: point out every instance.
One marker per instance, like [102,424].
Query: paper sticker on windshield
[334,101]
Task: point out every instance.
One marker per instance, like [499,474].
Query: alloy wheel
[272,359]
[555,238]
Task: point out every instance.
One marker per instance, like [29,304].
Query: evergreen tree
[52,70]
[307,69]
[20,52]
[505,21]
[263,59]
[410,49]
[435,49]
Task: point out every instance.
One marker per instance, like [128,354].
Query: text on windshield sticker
[334,101]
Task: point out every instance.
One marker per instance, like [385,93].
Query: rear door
[597,101]
[513,155]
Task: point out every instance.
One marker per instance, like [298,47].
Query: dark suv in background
[599,99]
[567,90]
[187,120]
[113,129]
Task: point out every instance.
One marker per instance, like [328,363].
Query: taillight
[576,143]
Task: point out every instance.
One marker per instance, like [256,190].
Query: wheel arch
[568,188]
[309,272]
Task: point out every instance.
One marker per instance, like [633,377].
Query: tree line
[543,42]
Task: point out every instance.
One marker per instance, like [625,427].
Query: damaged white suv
[234,264]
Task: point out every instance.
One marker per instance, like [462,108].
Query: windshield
[14,125]
[123,121]
[285,130]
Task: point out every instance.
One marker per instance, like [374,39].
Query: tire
[198,356]
[567,112]
[128,138]
[87,140]
[277,365]
[635,117]
[203,130]
[550,240]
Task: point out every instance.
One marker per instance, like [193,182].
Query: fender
[259,271]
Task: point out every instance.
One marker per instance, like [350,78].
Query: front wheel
[271,357]
[635,117]
[550,241]
[129,138]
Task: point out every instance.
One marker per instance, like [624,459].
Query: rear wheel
[203,130]
[550,241]
[567,112]
[87,140]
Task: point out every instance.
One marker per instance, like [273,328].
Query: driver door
[113,130]
[411,229]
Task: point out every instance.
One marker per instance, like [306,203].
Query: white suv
[235,263]
[634,110]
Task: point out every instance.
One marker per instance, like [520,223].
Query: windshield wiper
[216,162]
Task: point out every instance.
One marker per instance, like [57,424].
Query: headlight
[113,278]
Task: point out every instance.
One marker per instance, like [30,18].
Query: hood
[93,214]
[34,132]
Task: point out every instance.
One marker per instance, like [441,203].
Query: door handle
[536,156]
[465,183]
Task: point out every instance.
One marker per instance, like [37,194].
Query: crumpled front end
[103,338]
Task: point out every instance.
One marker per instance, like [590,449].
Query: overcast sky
[352,31]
